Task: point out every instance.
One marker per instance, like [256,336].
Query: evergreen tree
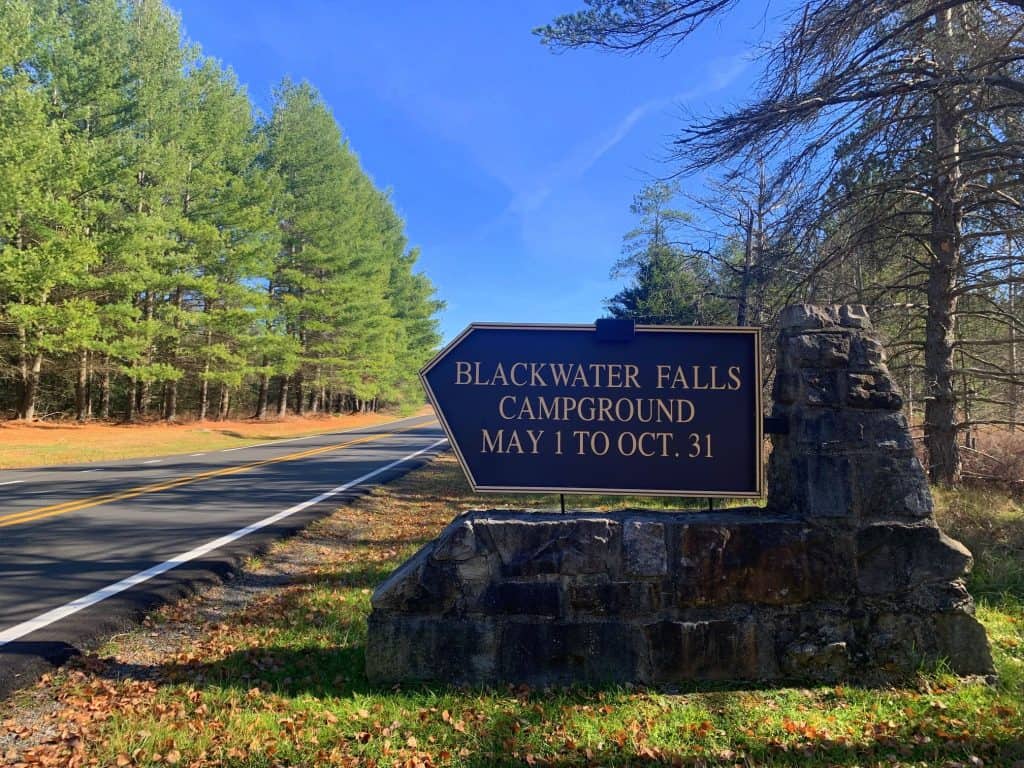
[159,247]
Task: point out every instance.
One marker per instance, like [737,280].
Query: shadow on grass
[1003,752]
[318,672]
[338,672]
[367,577]
[335,673]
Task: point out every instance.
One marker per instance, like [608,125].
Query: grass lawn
[279,682]
[43,444]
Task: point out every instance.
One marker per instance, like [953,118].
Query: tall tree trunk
[170,400]
[141,400]
[142,405]
[90,374]
[261,398]
[105,389]
[131,401]
[748,261]
[82,388]
[940,419]
[909,394]
[1011,287]
[171,387]
[204,396]
[28,385]
[225,402]
[204,383]
[282,398]
[300,395]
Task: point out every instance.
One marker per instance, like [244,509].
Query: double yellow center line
[40,513]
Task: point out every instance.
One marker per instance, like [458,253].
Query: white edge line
[19,631]
[153,461]
[12,482]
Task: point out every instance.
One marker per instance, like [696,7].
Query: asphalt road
[84,550]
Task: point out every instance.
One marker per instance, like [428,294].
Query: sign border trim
[758,411]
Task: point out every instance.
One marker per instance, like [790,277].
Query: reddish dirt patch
[49,443]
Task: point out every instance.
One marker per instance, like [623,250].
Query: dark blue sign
[661,410]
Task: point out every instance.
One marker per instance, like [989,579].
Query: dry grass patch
[53,443]
[269,672]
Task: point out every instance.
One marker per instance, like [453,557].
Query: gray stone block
[872,390]
[643,544]
[891,487]
[802,317]
[822,387]
[614,598]
[903,642]
[816,350]
[529,546]
[829,661]
[897,557]
[567,652]
[867,354]
[753,564]
[703,650]
[854,316]
[458,543]
[518,598]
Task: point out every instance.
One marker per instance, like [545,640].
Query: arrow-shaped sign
[664,410]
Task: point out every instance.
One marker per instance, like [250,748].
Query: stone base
[633,596]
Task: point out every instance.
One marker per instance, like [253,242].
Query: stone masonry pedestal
[844,574]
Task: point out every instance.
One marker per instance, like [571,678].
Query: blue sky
[513,167]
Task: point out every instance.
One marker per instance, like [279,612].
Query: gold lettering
[547,410]
[568,407]
[512,373]
[714,379]
[579,435]
[629,411]
[499,373]
[463,372]
[615,376]
[685,404]
[526,410]
[585,408]
[664,372]
[632,372]
[559,373]
[696,378]
[514,443]
[492,445]
[734,376]
[534,439]
[665,409]
[501,407]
